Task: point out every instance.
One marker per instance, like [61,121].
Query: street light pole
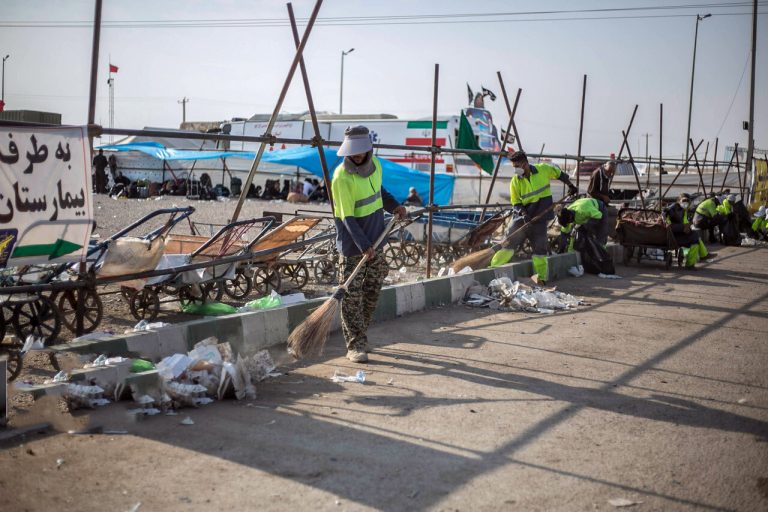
[2,94]
[693,71]
[341,86]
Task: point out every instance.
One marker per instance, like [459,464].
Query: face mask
[519,171]
[685,205]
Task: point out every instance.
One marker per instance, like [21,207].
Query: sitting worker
[760,224]
[359,201]
[413,198]
[586,212]
[730,232]
[532,206]
[687,239]
[600,182]
[307,187]
[708,218]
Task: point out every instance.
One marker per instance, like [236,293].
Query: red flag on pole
[112,68]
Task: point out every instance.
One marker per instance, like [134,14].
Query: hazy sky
[236,71]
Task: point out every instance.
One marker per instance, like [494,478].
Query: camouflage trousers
[360,299]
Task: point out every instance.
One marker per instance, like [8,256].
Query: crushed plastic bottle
[358,377]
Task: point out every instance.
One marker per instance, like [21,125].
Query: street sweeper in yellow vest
[530,195]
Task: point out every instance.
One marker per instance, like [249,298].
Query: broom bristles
[474,260]
[309,336]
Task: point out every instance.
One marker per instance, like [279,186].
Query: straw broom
[481,259]
[310,336]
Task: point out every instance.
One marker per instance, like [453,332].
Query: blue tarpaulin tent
[397,178]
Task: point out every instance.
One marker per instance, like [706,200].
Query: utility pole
[183,101]
[693,73]
[751,127]
[341,82]
[2,94]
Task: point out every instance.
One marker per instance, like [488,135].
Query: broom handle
[376,244]
[533,220]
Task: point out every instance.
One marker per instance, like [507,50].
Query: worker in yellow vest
[359,202]
[531,196]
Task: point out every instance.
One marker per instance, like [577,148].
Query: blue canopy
[397,178]
[157,150]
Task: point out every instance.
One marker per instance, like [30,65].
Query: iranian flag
[425,141]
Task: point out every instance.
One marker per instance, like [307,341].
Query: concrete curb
[253,331]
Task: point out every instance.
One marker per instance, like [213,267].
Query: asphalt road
[656,392]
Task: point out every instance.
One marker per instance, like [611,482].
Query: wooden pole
[432,173]
[276,111]
[311,105]
[581,129]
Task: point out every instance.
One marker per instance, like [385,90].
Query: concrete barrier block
[386,308]
[437,292]
[171,340]
[254,329]
[144,344]
[110,345]
[276,327]
[410,298]
[459,285]
[559,265]
[224,328]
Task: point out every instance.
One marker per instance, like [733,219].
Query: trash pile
[208,372]
[504,295]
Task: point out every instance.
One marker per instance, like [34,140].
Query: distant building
[30,116]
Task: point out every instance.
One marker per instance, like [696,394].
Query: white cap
[356,141]
[760,212]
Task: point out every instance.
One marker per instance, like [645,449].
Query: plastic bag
[141,365]
[359,377]
[272,300]
[208,309]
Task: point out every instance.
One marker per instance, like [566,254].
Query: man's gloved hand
[572,189]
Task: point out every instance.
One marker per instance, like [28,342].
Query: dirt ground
[655,393]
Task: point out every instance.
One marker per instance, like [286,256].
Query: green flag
[467,141]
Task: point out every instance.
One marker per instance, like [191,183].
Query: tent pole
[276,111]
[432,174]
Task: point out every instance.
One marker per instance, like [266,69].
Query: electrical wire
[736,93]
[414,19]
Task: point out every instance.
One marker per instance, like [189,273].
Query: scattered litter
[137,506]
[173,366]
[187,421]
[62,376]
[343,377]
[391,381]
[59,463]
[32,343]
[609,276]
[275,374]
[622,502]
[292,298]
[403,270]
[272,300]
[465,270]
[742,400]
[259,365]
[504,295]
[576,271]
[78,396]
[141,365]
[171,412]
[143,325]
[441,272]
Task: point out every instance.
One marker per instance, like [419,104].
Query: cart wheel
[213,292]
[170,289]
[187,296]
[325,272]
[680,258]
[441,255]
[627,254]
[92,307]
[300,274]
[265,280]
[239,287]
[15,360]
[394,257]
[668,260]
[3,323]
[144,304]
[38,317]
[411,254]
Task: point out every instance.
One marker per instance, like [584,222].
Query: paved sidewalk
[656,392]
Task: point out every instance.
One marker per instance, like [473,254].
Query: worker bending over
[589,214]
[687,239]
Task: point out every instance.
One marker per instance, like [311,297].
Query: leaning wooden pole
[714,168]
[683,168]
[634,172]
[318,140]
[433,154]
[503,147]
[511,111]
[276,111]
[698,168]
[581,129]
[728,169]
[624,142]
